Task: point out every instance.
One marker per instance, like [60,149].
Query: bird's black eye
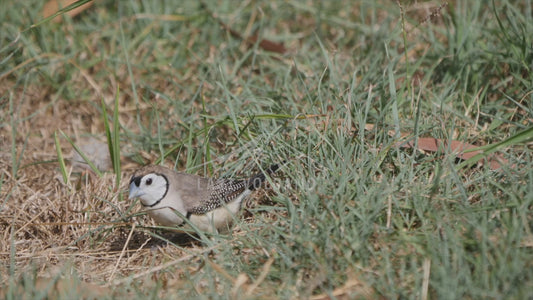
[149,181]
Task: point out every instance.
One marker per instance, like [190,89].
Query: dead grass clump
[50,226]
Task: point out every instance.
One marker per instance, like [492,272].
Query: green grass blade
[85,158]
[60,12]
[208,159]
[12,257]
[159,136]
[518,138]
[61,161]
[14,165]
[113,137]
[190,153]
[7,195]
[116,141]
[107,130]
[394,99]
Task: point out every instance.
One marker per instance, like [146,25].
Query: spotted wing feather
[221,191]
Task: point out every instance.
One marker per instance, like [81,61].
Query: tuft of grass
[16,154]
[113,137]
[81,153]
[515,140]
[61,160]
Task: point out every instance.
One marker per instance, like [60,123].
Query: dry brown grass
[54,228]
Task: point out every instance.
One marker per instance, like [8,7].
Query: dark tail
[255,181]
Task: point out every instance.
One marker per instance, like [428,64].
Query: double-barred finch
[209,204]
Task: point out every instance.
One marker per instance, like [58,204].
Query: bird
[210,204]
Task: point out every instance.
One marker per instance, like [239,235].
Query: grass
[351,215]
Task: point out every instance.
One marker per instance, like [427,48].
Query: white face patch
[152,189]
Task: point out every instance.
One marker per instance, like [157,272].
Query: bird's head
[150,188]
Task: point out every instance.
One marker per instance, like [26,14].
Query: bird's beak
[135,191]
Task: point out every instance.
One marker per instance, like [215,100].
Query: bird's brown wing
[220,192]
[201,195]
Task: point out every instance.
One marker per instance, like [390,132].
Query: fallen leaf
[268,45]
[460,149]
